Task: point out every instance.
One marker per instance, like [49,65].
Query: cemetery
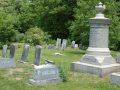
[40,60]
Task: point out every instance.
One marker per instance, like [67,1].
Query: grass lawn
[17,78]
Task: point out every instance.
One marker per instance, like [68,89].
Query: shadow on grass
[76,52]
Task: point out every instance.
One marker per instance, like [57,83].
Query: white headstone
[64,42]
[58,43]
[73,44]
[4,51]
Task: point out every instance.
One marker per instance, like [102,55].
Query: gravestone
[4,51]
[46,73]
[45,46]
[12,50]
[73,44]
[19,46]
[64,42]
[115,78]
[97,59]
[49,46]
[76,45]
[8,62]
[80,46]
[25,53]
[38,54]
[118,58]
[58,43]
[52,46]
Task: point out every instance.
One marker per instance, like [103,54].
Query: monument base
[37,82]
[7,63]
[95,69]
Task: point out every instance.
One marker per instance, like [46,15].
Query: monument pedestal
[97,59]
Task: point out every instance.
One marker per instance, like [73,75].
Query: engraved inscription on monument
[99,38]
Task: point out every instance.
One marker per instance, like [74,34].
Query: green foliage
[64,74]
[7,31]
[54,16]
[36,35]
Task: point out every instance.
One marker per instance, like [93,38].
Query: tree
[7,31]
[36,35]
[53,16]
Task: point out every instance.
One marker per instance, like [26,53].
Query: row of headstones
[46,73]
[12,50]
[38,51]
[64,44]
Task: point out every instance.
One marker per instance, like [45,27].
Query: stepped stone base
[38,82]
[95,69]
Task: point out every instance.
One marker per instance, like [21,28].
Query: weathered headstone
[58,43]
[38,54]
[118,58]
[52,46]
[7,63]
[47,73]
[80,46]
[49,46]
[73,44]
[115,78]
[19,46]
[97,59]
[12,50]
[4,51]
[64,42]
[25,53]
[45,46]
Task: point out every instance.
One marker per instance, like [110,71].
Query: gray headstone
[49,46]
[64,42]
[25,53]
[4,51]
[12,50]
[45,46]
[52,46]
[115,78]
[38,54]
[80,46]
[46,73]
[7,63]
[58,43]
[73,44]
[19,46]
[118,58]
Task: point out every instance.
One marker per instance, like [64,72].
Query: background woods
[65,19]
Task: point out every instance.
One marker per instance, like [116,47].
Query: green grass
[17,78]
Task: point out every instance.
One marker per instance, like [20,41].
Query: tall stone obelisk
[97,59]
